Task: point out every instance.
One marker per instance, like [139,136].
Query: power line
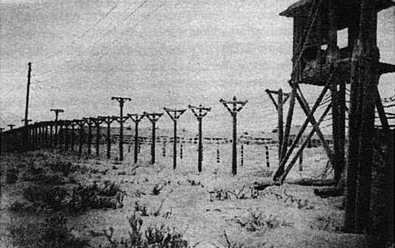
[97,41]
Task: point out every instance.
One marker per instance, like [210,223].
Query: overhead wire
[115,25]
[82,35]
[128,16]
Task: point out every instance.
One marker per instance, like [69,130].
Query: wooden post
[89,122]
[108,120]
[306,109]
[80,124]
[236,107]
[280,124]
[199,113]
[267,157]
[153,117]
[174,114]
[218,155]
[280,171]
[136,118]
[72,135]
[368,79]
[304,144]
[301,161]
[29,72]
[288,124]
[242,155]
[66,135]
[121,120]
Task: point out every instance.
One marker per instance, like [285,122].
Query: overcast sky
[160,53]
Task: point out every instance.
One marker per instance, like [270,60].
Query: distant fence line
[75,134]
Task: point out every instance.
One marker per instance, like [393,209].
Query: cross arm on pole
[174,114]
[153,117]
[136,117]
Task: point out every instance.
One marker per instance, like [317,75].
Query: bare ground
[201,206]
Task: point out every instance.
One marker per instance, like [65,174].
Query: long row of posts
[56,133]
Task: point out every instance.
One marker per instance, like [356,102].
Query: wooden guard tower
[318,60]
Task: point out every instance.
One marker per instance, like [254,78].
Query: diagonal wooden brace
[303,146]
[306,109]
[284,160]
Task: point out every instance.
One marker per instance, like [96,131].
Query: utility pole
[174,114]
[80,124]
[153,117]
[234,107]
[29,72]
[26,132]
[200,112]
[11,126]
[97,121]
[108,120]
[72,123]
[281,100]
[121,120]
[136,118]
[57,111]
[89,122]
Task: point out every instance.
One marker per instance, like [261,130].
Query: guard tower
[317,24]
[325,37]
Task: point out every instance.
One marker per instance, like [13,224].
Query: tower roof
[302,7]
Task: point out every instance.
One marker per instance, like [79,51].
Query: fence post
[236,107]
[136,118]
[199,113]
[174,114]
[153,117]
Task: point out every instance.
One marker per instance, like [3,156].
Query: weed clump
[12,175]
[152,236]
[77,200]
[52,233]
[258,221]
[94,196]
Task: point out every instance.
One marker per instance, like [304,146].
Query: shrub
[12,175]
[93,196]
[257,221]
[153,236]
[52,233]
[50,197]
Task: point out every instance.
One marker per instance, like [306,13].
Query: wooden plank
[303,128]
[306,109]
[288,123]
[304,144]
[280,123]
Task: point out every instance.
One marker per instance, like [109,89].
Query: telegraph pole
[234,107]
[97,121]
[108,120]
[26,132]
[29,72]
[281,100]
[80,124]
[174,114]
[136,118]
[121,120]
[11,126]
[57,111]
[72,123]
[89,122]
[200,112]
[153,117]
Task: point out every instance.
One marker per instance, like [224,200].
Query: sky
[160,53]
